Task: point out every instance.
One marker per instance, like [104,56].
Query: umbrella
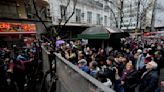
[58,42]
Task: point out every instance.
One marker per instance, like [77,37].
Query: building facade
[131,12]
[136,14]
[159,18]
[19,19]
[87,12]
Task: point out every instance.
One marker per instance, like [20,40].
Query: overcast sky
[159,14]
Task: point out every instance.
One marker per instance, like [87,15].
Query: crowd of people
[135,67]
[138,66]
[17,67]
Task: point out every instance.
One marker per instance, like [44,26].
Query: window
[63,11]
[106,8]
[8,9]
[78,15]
[89,17]
[98,19]
[105,20]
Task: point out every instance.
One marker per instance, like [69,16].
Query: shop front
[19,34]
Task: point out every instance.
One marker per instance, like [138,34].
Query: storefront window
[17,27]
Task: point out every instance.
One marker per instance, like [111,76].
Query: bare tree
[114,16]
[153,15]
[116,8]
[144,7]
[65,17]
[130,14]
[121,12]
[64,14]
[138,9]
[145,12]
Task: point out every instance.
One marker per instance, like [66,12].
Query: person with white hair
[149,79]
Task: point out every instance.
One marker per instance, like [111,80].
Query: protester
[149,79]
[17,67]
[102,78]
[127,79]
[82,64]
[110,69]
[121,69]
[140,60]
[93,68]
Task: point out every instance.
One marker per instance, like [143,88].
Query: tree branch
[114,15]
[62,16]
[37,14]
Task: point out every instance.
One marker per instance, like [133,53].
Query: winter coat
[161,77]
[130,79]
[93,72]
[109,72]
[149,81]
[85,69]
[140,62]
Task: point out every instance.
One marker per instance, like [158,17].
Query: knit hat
[82,61]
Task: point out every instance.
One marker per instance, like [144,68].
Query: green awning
[98,32]
[94,36]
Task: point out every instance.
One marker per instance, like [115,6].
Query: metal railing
[72,79]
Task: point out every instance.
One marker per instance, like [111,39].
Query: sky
[159,17]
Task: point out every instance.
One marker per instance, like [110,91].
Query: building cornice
[75,24]
[22,20]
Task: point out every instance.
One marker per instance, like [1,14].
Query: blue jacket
[20,57]
[93,73]
[85,69]
[140,62]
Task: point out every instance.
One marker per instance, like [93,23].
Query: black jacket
[149,82]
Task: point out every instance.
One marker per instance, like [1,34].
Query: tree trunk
[138,10]
[121,13]
[153,16]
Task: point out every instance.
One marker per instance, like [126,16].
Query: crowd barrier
[71,78]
